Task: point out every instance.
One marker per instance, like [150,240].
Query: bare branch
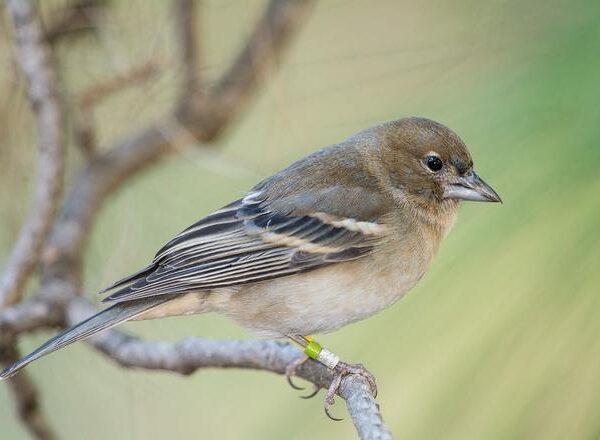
[103,174]
[363,409]
[191,354]
[25,398]
[75,19]
[28,316]
[38,68]
[42,87]
[187,34]
[279,23]
[94,95]
[87,101]
[208,116]
[187,356]
[134,153]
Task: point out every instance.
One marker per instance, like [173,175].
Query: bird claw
[361,371]
[315,391]
[291,369]
[342,370]
[330,396]
[290,372]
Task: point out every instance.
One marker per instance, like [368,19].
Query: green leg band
[312,350]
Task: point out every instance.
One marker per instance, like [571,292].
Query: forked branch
[35,59]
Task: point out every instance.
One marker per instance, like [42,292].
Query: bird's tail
[103,320]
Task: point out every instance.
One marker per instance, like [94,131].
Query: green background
[499,340]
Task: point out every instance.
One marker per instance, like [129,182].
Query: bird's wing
[248,241]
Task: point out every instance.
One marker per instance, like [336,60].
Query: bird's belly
[320,301]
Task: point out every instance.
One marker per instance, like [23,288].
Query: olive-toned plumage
[332,239]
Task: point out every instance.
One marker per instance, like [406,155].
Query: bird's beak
[471,187]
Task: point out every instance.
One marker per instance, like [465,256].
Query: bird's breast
[328,298]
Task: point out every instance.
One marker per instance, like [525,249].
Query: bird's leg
[291,369]
[314,350]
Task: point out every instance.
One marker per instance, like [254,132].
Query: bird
[334,238]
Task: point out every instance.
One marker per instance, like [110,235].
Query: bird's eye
[434,163]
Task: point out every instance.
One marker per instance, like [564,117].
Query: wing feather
[244,242]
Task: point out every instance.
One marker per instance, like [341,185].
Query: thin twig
[132,77]
[28,316]
[42,87]
[75,19]
[88,100]
[262,52]
[187,27]
[210,113]
[138,151]
[25,397]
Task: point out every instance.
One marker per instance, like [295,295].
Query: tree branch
[202,114]
[208,115]
[205,120]
[189,355]
[84,131]
[75,19]
[38,68]
[187,36]
[363,409]
[28,316]
[25,397]
[42,87]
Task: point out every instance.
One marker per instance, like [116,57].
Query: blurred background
[499,340]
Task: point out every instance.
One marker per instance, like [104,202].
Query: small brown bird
[333,239]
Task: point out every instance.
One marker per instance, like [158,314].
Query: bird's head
[429,164]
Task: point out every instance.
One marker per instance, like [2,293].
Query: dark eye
[434,163]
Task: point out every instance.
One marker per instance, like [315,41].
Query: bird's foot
[292,368]
[313,350]
[290,372]
[341,370]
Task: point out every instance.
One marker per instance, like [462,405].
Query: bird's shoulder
[340,180]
